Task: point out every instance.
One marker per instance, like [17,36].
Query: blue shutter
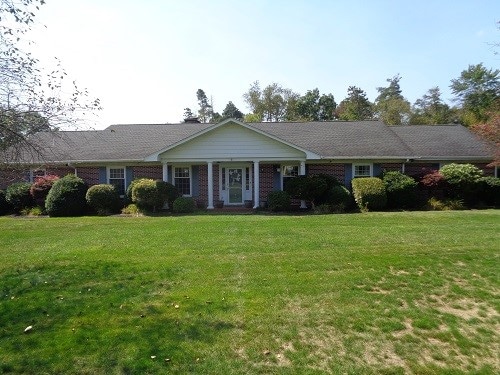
[170,174]
[103,175]
[276,177]
[377,170]
[129,176]
[195,180]
[348,175]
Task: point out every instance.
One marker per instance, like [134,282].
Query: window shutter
[348,175]
[129,176]
[195,180]
[103,175]
[377,170]
[276,178]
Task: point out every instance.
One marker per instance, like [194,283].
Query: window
[362,170]
[182,180]
[116,177]
[223,175]
[288,172]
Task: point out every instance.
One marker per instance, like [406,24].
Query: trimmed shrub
[130,187]
[5,207]
[461,174]
[339,198]
[104,199]
[168,192]
[41,188]
[462,180]
[184,205]
[278,201]
[400,189]
[369,193]
[19,197]
[315,189]
[146,196]
[130,209]
[488,189]
[67,197]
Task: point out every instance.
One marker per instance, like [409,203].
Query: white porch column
[210,186]
[165,171]
[256,185]
[302,172]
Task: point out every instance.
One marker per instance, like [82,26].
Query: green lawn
[368,293]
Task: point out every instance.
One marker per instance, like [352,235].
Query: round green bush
[67,197]
[488,189]
[462,180]
[146,196]
[184,205]
[279,201]
[369,193]
[131,187]
[401,190]
[339,197]
[19,197]
[461,174]
[104,199]
[168,192]
[5,207]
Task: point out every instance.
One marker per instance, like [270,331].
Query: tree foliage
[430,110]
[205,112]
[314,107]
[356,106]
[231,111]
[30,99]
[477,90]
[273,103]
[390,105]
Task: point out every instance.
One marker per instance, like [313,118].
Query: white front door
[235,184]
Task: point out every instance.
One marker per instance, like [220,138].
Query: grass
[387,293]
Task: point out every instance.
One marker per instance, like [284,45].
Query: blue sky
[146,59]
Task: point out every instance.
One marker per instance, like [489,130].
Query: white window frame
[174,167]
[282,172]
[108,177]
[370,165]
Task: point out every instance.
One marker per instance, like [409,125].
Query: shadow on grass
[103,317]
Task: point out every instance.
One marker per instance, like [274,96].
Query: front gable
[230,141]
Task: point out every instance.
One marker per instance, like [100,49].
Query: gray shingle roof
[335,139]
[441,141]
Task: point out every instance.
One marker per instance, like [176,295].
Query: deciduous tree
[30,99]
[477,90]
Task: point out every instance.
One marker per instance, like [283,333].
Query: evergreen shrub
[488,189]
[279,201]
[19,197]
[400,189]
[104,199]
[5,206]
[184,205]
[369,193]
[67,197]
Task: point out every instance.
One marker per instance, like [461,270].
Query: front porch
[238,184]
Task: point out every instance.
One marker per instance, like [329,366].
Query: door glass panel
[235,185]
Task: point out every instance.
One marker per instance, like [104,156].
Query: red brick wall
[335,170]
[266,180]
[388,167]
[154,172]
[415,169]
[8,177]
[88,174]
